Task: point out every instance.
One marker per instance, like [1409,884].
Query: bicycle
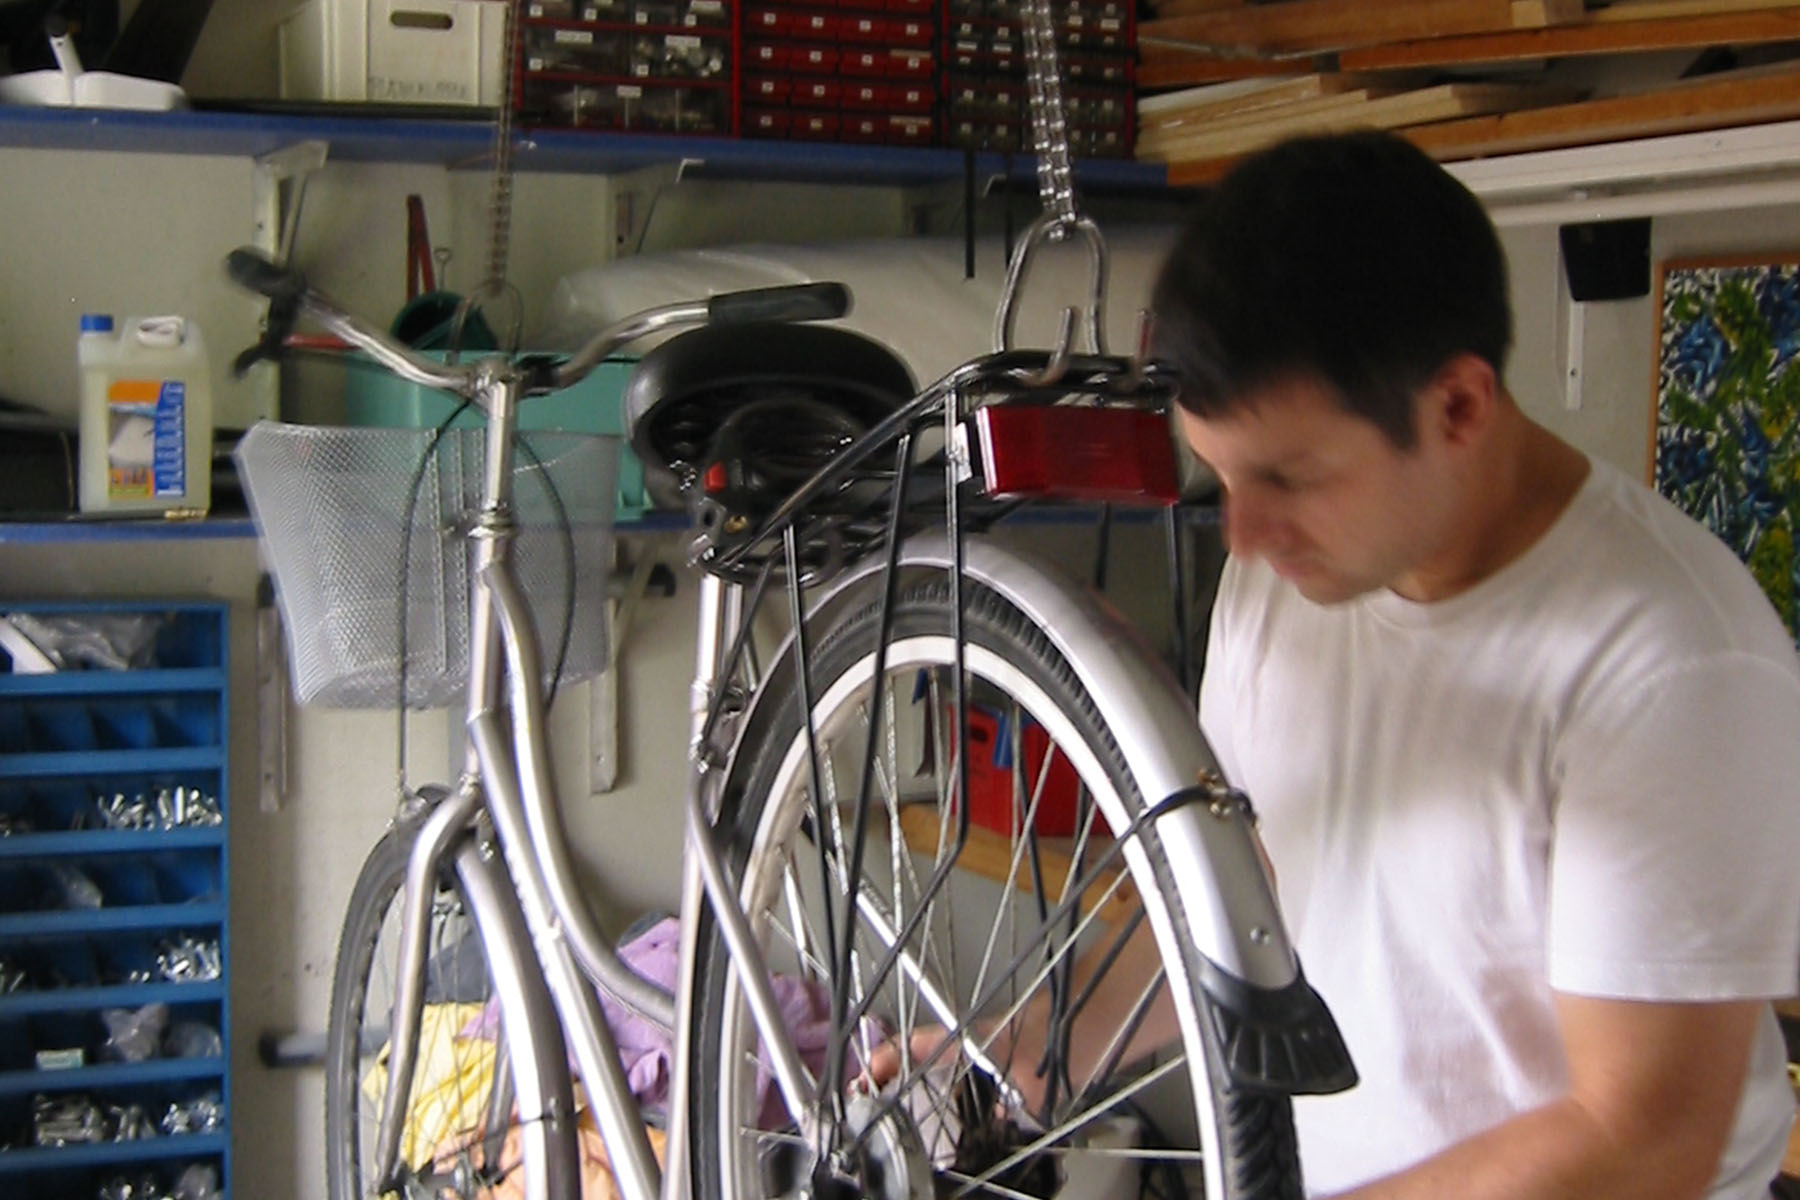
[946,728]
[989,646]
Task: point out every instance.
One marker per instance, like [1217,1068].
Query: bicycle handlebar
[791,302]
[289,295]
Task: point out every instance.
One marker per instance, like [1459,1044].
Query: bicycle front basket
[331,507]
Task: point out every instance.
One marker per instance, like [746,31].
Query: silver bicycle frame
[507,775]
[1224,888]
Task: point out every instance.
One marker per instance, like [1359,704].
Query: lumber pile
[1461,78]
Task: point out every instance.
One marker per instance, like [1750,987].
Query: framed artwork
[1725,438]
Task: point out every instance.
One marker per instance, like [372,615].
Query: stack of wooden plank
[1461,78]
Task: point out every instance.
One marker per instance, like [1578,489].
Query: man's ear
[1460,403]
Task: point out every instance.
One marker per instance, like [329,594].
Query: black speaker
[1607,260]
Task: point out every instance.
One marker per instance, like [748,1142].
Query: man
[1524,740]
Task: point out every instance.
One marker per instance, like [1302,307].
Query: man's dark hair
[1350,259]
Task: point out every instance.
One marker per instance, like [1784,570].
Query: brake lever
[286,291]
[283,315]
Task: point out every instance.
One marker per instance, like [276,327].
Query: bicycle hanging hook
[1056,190]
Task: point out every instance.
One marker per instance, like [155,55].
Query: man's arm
[1653,1090]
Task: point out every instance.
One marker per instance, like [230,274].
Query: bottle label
[146,445]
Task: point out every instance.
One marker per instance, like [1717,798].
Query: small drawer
[1099,68]
[680,56]
[904,130]
[767,89]
[807,24]
[648,107]
[1096,141]
[984,135]
[687,14]
[815,126]
[816,93]
[813,59]
[894,32]
[1109,108]
[767,122]
[577,52]
[862,129]
[767,56]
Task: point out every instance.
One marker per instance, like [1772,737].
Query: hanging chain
[1060,220]
[1049,125]
[500,197]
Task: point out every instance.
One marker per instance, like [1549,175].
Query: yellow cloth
[448,1113]
[452,1079]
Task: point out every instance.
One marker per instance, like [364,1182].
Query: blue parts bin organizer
[114,955]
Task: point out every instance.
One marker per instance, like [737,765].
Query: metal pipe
[446,821]
[748,965]
[543,818]
[589,1036]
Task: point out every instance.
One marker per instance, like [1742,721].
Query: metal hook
[1050,228]
[1140,354]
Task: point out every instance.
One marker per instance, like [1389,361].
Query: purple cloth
[647,1052]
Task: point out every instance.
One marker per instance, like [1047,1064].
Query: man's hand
[1015,1053]
[1017,1050]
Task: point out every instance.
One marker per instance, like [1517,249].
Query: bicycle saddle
[809,388]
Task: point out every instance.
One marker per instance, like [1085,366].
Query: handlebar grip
[250,269]
[792,302]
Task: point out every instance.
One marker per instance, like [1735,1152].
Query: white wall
[1613,419]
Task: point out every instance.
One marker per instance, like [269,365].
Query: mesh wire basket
[331,506]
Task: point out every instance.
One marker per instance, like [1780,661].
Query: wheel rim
[997,1149]
[444,1144]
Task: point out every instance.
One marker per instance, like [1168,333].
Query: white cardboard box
[394,51]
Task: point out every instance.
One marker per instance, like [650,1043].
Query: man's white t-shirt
[1583,775]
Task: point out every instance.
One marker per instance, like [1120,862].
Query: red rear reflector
[1115,455]
[714,481]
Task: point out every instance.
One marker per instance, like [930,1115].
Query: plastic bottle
[146,417]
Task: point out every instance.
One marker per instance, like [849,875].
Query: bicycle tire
[466,1074]
[1246,1137]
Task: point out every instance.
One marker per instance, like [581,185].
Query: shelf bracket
[271,702]
[279,180]
[603,692]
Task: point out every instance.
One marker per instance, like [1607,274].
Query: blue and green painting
[1727,439]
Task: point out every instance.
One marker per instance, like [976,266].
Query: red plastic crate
[991,801]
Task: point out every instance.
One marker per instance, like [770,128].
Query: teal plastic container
[595,405]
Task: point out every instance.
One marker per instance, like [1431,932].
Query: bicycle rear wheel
[989,936]
[462,1135]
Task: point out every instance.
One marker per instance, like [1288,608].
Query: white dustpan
[69,86]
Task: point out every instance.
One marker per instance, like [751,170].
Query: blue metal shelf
[91,842]
[95,683]
[121,995]
[100,1154]
[73,529]
[105,1075]
[111,762]
[466,143]
[112,920]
